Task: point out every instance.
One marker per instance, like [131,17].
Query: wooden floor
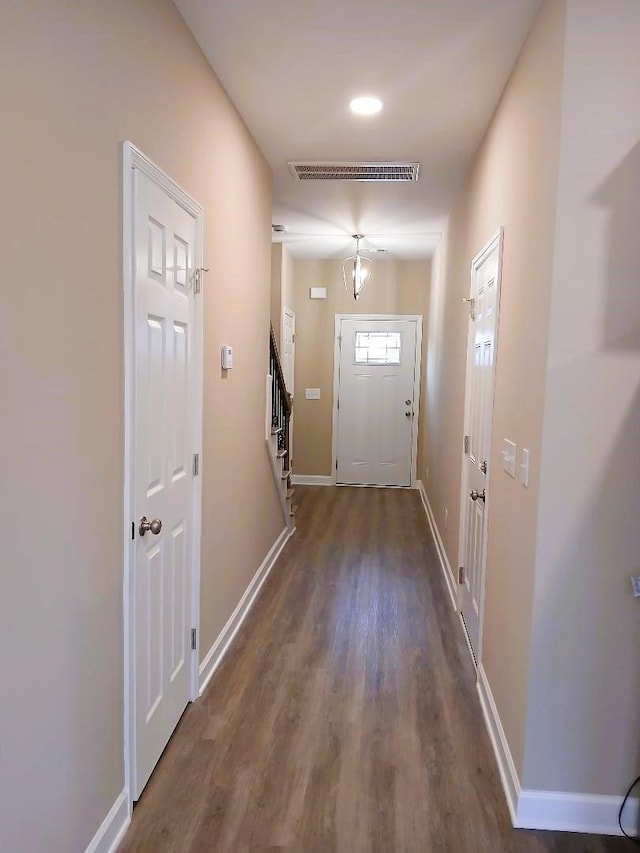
[345,716]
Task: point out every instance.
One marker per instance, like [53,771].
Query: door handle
[408,414]
[475,495]
[154,526]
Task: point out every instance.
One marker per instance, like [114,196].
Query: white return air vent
[355,171]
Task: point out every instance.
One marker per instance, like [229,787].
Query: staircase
[279,408]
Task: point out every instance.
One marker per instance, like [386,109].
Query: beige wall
[512,183]
[397,287]
[77,78]
[584,721]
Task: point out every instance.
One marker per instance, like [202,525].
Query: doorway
[376,399]
[482,340]
[162,262]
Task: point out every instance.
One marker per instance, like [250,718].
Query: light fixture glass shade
[356,272]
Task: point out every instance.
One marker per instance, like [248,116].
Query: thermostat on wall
[226,357]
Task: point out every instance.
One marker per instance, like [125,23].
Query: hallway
[345,715]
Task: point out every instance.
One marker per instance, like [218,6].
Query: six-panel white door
[376,405]
[479,395]
[164,240]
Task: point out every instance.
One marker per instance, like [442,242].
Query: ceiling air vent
[355,171]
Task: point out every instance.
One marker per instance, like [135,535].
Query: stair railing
[281,401]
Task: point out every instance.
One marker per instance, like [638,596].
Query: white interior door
[288,338]
[377,401]
[163,451]
[288,355]
[476,464]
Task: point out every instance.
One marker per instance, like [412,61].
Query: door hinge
[336,464]
[194,639]
[196,464]
[196,281]
[133,530]
[461,574]
[338,405]
[467,444]
[483,467]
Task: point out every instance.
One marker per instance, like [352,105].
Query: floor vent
[393,172]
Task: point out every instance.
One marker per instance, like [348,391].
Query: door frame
[497,241]
[417,319]
[132,158]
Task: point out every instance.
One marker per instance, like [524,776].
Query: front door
[476,463]
[163,448]
[376,405]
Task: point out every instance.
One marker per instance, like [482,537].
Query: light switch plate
[509,451]
[312,393]
[524,467]
[317,292]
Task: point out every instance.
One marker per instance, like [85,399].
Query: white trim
[113,827]
[561,811]
[504,759]
[417,319]
[449,577]
[497,241]
[132,157]
[569,812]
[217,651]
[311,480]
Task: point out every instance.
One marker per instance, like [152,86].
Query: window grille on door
[378,347]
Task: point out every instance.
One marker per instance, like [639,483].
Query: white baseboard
[218,649]
[504,759]
[567,812]
[561,811]
[442,554]
[311,480]
[113,827]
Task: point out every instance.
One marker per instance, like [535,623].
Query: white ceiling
[292,66]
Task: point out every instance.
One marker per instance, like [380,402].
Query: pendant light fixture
[356,270]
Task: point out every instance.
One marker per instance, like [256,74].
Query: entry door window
[378,347]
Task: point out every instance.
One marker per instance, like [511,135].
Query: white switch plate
[509,451]
[317,292]
[524,466]
[312,393]
[635,583]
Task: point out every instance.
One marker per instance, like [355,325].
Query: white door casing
[476,452]
[163,353]
[376,399]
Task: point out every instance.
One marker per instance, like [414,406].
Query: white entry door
[377,403]
[476,463]
[164,370]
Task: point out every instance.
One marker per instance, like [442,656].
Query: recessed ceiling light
[366,106]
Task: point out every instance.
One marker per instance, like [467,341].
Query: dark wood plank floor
[345,716]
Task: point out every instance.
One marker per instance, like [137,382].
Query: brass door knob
[475,495]
[154,526]
[408,414]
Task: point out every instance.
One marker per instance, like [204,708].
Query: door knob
[475,495]
[154,526]
[408,414]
